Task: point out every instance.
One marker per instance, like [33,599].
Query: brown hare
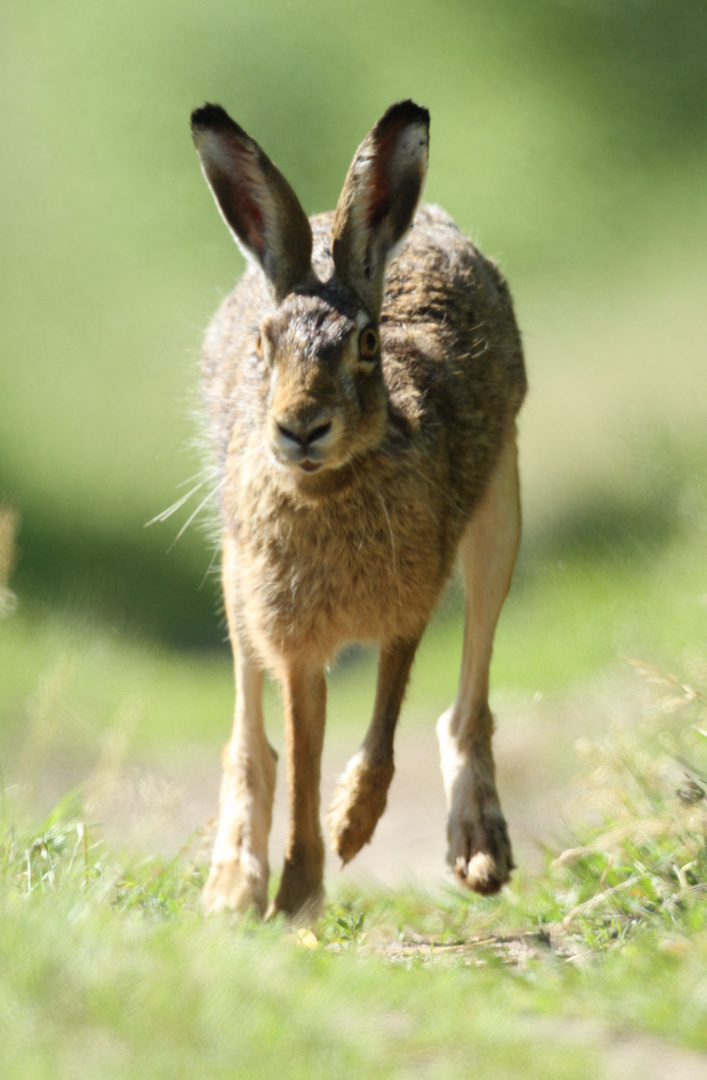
[361,384]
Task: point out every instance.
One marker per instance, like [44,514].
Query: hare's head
[318,340]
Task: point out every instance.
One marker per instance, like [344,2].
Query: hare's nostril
[300,435]
[289,434]
[318,432]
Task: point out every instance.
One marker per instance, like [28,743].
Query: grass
[106,969]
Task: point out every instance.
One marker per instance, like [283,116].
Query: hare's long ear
[258,205]
[379,200]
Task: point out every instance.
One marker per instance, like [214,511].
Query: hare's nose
[305,434]
[318,431]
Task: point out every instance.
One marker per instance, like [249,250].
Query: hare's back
[452,352]
[447,317]
[456,304]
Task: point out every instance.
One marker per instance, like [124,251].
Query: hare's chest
[369,567]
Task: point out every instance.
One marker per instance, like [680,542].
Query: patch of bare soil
[158,804]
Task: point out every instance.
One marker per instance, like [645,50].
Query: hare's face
[327,403]
[326,399]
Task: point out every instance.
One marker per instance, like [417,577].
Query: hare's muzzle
[303,442]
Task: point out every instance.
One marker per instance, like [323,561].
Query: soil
[162,802]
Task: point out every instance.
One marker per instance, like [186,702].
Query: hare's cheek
[364,383]
[371,395]
[374,417]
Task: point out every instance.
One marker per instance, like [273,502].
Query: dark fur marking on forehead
[315,323]
[333,294]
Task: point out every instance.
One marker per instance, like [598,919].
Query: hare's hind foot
[358,802]
[479,849]
[480,852]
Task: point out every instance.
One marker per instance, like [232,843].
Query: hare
[361,385]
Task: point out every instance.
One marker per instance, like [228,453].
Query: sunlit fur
[361,550]
[347,485]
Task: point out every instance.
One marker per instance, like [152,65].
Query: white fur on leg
[479,851]
[238,879]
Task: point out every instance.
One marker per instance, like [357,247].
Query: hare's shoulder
[447,321]
[441,277]
[436,255]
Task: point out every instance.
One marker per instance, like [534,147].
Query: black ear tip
[210,116]
[214,118]
[406,112]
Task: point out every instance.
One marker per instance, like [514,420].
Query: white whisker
[164,514]
[214,556]
[191,517]
[183,483]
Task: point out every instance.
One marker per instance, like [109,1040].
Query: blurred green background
[569,138]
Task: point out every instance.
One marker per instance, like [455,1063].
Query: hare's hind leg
[360,798]
[479,849]
[239,873]
[301,887]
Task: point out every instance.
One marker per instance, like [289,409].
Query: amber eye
[259,344]
[368,343]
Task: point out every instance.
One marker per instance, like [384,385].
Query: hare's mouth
[309,466]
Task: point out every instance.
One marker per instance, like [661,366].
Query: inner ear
[379,199]
[256,202]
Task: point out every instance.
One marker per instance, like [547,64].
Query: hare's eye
[259,344]
[368,343]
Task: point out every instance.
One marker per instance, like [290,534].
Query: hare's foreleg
[361,796]
[301,887]
[479,848]
[239,865]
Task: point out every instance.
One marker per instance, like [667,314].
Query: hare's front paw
[297,900]
[479,849]
[230,887]
[358,802]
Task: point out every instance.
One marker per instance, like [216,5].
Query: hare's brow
[335,327]
[325,327]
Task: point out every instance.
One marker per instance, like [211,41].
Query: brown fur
[400,454]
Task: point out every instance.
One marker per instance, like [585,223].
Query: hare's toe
[480,851]
[358,802]
[229,887]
